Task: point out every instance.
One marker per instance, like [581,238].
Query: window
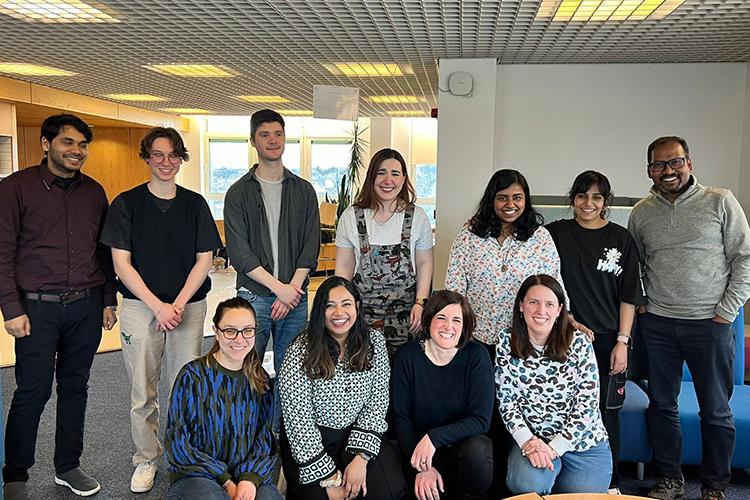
[292,158]
[228,160]
[425,183]
[329,161]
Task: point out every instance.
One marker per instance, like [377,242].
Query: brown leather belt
[65,297]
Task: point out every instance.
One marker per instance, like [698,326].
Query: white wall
[553,121]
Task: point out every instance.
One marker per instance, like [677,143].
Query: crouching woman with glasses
[334,396]
[548,391]
[442,403]
[218,437]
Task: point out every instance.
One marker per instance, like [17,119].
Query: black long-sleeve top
[449,403]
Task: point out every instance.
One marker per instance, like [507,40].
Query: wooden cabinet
[327,259]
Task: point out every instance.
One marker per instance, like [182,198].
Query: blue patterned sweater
[218,427]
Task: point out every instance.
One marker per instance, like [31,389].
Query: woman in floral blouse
[548,391]
[502,244]
[334,396]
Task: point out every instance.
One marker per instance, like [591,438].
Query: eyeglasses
[158,157]
[231,333]
[674,164]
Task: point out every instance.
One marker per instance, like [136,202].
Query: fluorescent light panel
[295,112]
[187,111]
[395,99]
[32,70]
[367,69]
[605,10]
[134,97]
[271,99]
[193,70]
[58,11]
[407,113]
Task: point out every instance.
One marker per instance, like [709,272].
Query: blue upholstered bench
[634,441]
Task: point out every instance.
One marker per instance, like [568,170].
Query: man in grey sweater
[694,244]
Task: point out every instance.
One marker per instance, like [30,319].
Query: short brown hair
[442,299]
[167,132]
[561,336]
[367,197]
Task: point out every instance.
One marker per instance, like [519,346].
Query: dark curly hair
[485,221]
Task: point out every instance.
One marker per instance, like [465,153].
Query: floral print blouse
[556,401]
[490,274]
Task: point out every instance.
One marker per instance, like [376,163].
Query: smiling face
[446,326]
[540,309]
[340,313]
[167,168]
[67,152]
[510,203]
[389,180]
[589,206]
[269,141]
[671,182]
[232,352]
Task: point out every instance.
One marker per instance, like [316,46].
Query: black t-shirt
[162,240]
[600,270]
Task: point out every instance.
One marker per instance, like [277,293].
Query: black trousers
[63,341]
[603,345]
[708,348]
[385,479]
[466,468]
[501,441]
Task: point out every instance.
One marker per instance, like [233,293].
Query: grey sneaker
[712,494]
[78,481]
[667,488]
[15,490]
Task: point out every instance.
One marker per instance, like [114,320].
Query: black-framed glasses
[231,333]
[674,164]
[158,157]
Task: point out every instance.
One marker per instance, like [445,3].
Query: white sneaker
[143,477]
[614,491]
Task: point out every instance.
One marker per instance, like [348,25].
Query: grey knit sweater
[695,252]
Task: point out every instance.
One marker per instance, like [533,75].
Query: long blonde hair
[251,366]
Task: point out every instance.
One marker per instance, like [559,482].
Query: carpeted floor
[108,448]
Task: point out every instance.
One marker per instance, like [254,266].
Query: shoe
[78,481]
[614,491]
[712,494]
[143,477]
[15,490]
[667,488]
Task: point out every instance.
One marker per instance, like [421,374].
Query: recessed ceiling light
[134,97]
[187,111]
[407,113]
[605,10]
[263,98]
[295,112]
[193,70]
[365,69]
[58,11]
[395,99]
[32,70]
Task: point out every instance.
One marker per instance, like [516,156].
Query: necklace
[504,265]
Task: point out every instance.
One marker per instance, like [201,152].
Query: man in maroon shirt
[57,290]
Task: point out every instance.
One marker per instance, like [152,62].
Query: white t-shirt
[271,191]
[387,233]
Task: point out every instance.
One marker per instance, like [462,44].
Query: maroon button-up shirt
[49,237]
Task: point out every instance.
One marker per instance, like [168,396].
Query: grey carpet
[108,448]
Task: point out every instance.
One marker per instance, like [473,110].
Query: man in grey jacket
[694,245]
[272,226]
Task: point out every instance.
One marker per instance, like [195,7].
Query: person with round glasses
[218,438]
[163,237]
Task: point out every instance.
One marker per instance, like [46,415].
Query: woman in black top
[599,263]
[442,396]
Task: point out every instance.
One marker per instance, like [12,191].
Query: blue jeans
[201,488]
[575,472]
[708,349]
[284,331]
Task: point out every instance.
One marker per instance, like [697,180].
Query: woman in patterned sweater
[218,437]
[334,396]
[548,392]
